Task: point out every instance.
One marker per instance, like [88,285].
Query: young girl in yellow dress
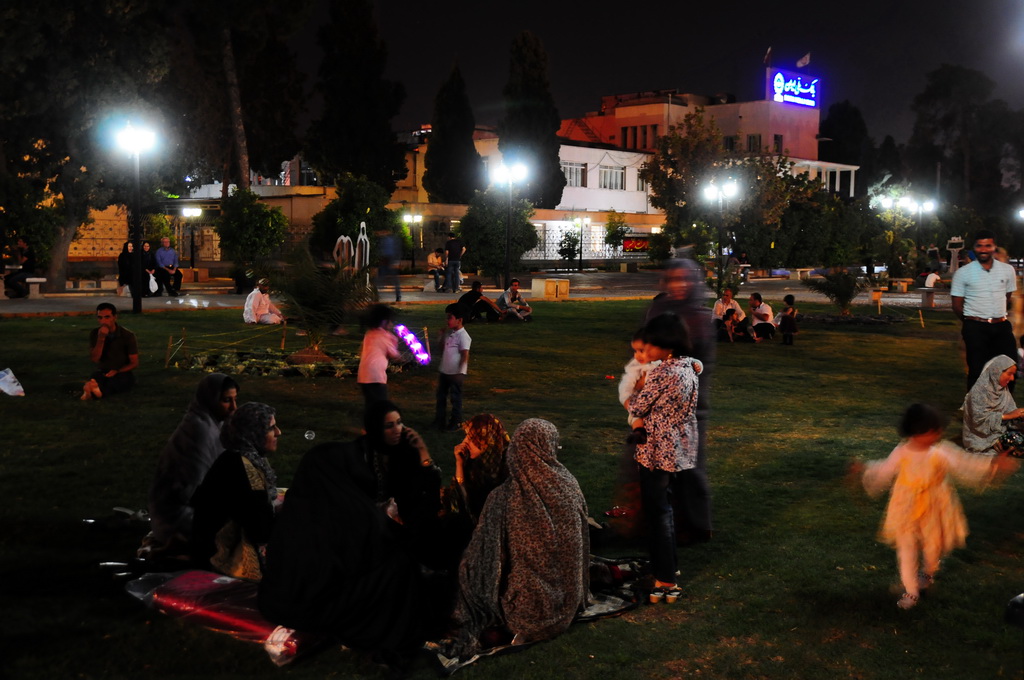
[924,515]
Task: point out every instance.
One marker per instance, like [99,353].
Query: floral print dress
[668,405]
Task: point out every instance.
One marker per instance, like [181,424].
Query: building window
[612,177]
[753,143]
[575,174]
[624,131]
[777,144]
[643,137]
[641,185]
[654,134]
[729,143]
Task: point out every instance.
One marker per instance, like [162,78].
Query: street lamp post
[186,213]
[414,220]
[583,224]
[714,192]
[135,141]
[508,175]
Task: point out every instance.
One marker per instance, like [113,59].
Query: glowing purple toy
[418,349]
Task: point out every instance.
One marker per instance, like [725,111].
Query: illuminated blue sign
[793,88]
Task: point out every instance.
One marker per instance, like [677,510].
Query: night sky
[875,55]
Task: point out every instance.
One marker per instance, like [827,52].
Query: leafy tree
[528,133]
[236,85]
[64,69]
[354,133]
[659,247]
[25,215]
[483,231]
[961,131]
[454,170]
[359,200]
[686,158]
[249,230]
[156,226]
[569,247]
[615,229]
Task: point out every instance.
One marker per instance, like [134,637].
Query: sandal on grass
[907,601]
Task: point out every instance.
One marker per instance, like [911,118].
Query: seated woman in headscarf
[184,461]
[991,422]
[336,563]
[404,471]
[233,508]
[525,570]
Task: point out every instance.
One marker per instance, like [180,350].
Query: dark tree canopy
[354,133]
[67,70]
[454,171]
[528,133]
[846,140]
[960,136]
[235,85]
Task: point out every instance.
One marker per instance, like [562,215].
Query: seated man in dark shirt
[479,304]
[17,281]
[115,351]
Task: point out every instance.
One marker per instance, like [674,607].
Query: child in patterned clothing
[924,515]
[668,405]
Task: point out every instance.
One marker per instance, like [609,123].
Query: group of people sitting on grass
[757,324]
[510,305]
[370,547]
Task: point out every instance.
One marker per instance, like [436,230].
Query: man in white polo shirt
[980,294]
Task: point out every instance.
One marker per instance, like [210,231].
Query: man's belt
[983,320]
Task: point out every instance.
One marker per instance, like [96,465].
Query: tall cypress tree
[529,132]
[454,171]
[354,133]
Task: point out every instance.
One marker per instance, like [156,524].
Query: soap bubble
[310,435]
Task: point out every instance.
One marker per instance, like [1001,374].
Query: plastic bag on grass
[9,384]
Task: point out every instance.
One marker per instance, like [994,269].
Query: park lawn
[794,584]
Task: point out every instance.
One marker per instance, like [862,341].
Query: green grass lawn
[793,585]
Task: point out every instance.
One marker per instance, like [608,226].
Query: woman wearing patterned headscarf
[185,459]
[526,567]
[989,410]
[234,506]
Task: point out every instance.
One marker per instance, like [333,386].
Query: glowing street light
[186,213]
[411,220]
[504,174]
[714,192]
[135,141]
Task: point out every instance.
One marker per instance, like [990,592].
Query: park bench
[33,286]
[901,285]
[800,274]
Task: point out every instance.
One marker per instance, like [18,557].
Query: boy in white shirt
[455,343]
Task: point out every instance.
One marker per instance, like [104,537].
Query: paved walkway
[582,286]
